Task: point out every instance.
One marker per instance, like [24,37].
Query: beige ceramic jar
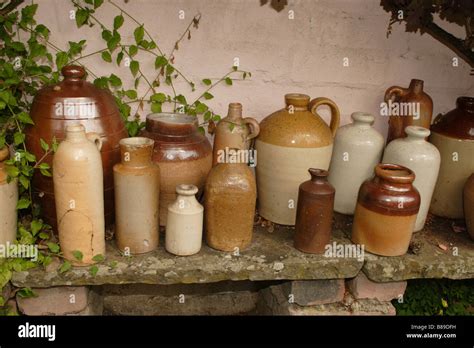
[423,158]
[234,132]
[469,205]
[137,188]
[8,201]
[357,149]
[230,196]
[291,140]
[78,192]
[453,135]
[184,222]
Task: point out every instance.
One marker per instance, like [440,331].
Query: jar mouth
[318,173]
[465,103]
[297,99]
[364,117]
[136,142]
[172,117]
[75,128]
[186,189]
[417,131]
[394,173]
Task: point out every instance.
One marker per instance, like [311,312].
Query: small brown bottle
[314,213]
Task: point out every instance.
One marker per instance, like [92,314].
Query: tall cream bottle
[8,201]
[137,190]
[357,149]
[184,222]
[78,191]
[423,159]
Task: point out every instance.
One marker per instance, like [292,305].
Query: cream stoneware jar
[291,140]
[8,201]
[357,149]
[423,158]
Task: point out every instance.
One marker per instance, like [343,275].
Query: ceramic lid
[457,123]
[73,98]
[295,125]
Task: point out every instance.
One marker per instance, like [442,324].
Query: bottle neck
[235,112]
[76,136]
[416,86]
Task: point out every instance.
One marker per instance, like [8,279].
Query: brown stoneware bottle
[72,101]
[314,213]
[234,132]
[229,206]
[414,95]
[183,154]
[137,189]
[469,205]
[386,211]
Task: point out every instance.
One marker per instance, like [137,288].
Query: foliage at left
[26,64]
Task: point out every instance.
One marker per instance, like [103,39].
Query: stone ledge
[270,257]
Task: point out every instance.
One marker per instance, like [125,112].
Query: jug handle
[335,115]
[95,138]
[253,126]
[394,92]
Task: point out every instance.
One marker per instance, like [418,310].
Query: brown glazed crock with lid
[386,211]
[72,101]
[314,213]
[183,154]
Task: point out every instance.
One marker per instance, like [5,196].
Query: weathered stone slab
[435,252]
[270,257]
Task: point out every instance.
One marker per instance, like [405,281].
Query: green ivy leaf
[132,128]
[44,145]
[98,258]
[106,56]
[160,61]
[43,235]
[169,69]
[138,33]
[119,58]
[25,118]
[207,116]
[66,266]
[156,107]
[18,138]
[12,171]
[55,144]
[118,21]
[132,50]
[228,81]
[115,81]
[77,255]
[208,96]
[201,108]
[131,94]
[26,293]
[81,17]
[134,67]
[98,3]
[61,59]
[158,98]
[23,203]
[181,99]
[44,166]
[207,82]
[36,226]
[93,270]
[24,181]
[53,247]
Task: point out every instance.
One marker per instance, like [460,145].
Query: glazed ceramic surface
[291,140]
[386,211]
[183,154]
[423,158]
[137,189]
[314,213]
[413,94]
[469,205]
[73,101]
[8,201]
[453,135]
[78,189]
[230,197]
[357,149]
[234,132]
[184,224]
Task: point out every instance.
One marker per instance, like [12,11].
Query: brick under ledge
[272,257]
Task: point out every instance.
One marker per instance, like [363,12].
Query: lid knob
[75,72]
